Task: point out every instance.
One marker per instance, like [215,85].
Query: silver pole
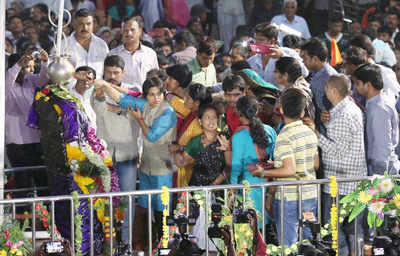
[263,213]
[150,223]
[300,188]
[111,225]
[282,190]
[60,27]
[91,228]
[53,208]
[130,222]
[2,98]
[34,226]
[73,223]
[207,205]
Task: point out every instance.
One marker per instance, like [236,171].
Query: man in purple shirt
[23,143]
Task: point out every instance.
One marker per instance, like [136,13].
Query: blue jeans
[148,182]
[346,230]
[127,175]
[291,219]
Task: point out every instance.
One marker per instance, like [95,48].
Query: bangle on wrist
[141,119]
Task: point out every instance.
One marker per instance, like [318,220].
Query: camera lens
[36,54]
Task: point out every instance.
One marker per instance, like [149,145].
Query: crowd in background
[184,94]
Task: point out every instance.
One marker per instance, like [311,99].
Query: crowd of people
[184,94]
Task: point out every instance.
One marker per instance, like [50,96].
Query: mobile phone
[252,167]
[261,48]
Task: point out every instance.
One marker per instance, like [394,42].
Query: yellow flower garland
[165,202]
[74,153]
[334,210]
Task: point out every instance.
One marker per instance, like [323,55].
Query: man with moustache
[119,129]
[84,47]
[138,58]
[83,90]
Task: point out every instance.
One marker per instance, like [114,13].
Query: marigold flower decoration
[165,202]
[334,211]
[396,200]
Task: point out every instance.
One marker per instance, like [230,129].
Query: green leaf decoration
[348,198]
[371,219]
[356,211]
[378,222]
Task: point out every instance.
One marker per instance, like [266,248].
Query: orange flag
[336,57]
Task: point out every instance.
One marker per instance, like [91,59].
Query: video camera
[181,241]
[317,246]
[388,241]
[239,216]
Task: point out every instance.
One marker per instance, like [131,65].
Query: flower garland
[44,215]
[78,224]
[380,195]
[334,215]
[13,240]
[165,202]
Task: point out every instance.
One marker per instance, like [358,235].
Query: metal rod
[53,209]
[13,211]
[130,222]
[73,223]
[149,223]
[337,216]
[34,226]
[300,189]
[207,205]
[319,203]
[91,226]
[191,189]
[111,225]
[25,168]
[60,27]
[263,213]
[282,238]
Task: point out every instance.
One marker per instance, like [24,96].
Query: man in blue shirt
[382,128]
[315,56]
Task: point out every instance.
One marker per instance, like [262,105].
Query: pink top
[18,103]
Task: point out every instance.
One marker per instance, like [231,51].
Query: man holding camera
[22,142]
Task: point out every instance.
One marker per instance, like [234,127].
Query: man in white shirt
[138,58]
[264,64]
[120,130]
[83,89]
[84,47]
[290,19]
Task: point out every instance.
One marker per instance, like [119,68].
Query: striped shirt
[300,142]
[343,150]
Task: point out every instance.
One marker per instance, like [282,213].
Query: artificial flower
[74,153]
[38,207]
[16,251]
[287,251]
[364,197]
[57,109]
[376,207]
[45,90]
[228,218]
[372,191]
[3,253]
[6,234]
[83,182]
[44,211]
[385,185]
[396,200]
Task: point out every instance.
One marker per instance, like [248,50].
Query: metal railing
[206,190]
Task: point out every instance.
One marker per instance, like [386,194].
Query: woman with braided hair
[251,143]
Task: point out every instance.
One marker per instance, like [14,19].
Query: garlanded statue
[76,159]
